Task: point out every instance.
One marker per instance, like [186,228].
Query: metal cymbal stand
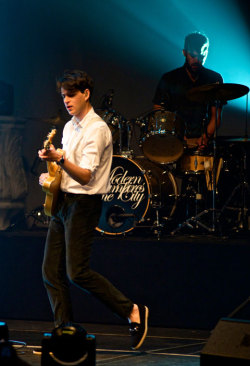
[120,136]
[194,221]
[214,173]
[243,187]
[128,152]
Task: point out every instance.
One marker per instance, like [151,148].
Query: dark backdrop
[125,45]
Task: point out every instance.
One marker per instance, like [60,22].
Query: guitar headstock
[50,137]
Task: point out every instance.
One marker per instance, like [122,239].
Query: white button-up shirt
[88,144]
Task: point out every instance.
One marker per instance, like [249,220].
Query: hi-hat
[239,139]
[216,92]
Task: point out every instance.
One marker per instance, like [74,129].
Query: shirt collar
[78,125]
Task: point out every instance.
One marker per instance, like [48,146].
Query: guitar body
[51,185]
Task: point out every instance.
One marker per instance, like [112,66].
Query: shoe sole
[145,331]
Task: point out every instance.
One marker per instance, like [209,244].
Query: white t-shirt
[89,145]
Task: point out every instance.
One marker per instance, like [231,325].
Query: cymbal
[239,139]
[54,121]
[216,92]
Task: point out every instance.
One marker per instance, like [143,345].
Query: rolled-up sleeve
[97,139]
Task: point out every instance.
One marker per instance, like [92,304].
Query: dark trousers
[67,257]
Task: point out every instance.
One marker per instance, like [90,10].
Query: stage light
[4,332]
[8,355]
[68,345]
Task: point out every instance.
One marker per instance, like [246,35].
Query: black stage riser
[186,282]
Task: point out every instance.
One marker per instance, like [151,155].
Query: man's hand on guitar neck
[50,154]
[79,174]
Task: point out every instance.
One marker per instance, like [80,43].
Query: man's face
[75,102]
[196,58]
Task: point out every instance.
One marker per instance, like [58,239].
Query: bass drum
[136,186]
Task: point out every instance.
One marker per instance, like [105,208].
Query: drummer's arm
[212,122]
[203,140]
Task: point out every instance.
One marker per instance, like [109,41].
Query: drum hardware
[116,216]
[194,199]
[129,131]
[157,225]
[243,219]
[209,174]
[193,194]
[107,101]
[117,125]
[215,93]
[240,193]
[30,220]
[36,217]
[127,152]
[120,136]
[141,123]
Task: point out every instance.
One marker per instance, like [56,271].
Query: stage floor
[162,345]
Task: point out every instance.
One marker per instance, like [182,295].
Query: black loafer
[138,331]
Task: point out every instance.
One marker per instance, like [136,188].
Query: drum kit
[170,186]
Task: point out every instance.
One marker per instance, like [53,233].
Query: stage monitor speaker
[229,344]
[68,345]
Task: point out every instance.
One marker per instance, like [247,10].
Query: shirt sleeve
[97,140]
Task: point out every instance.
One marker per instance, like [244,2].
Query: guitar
[51,185]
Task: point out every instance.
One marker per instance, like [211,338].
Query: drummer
[197,119]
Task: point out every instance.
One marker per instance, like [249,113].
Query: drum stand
[128,153]
[243,189]
[157,226]
[194,221]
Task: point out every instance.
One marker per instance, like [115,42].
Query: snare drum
[136,185]
[196,163]
[160,141]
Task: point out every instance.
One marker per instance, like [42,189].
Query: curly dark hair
[74,80]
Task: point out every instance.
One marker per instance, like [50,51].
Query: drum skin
[161,141]
[162,148]
[136,185]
